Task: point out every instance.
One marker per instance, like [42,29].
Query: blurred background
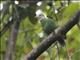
[21,31]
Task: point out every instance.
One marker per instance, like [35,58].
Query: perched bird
[48,25]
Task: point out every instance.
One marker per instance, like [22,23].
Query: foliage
[30,31]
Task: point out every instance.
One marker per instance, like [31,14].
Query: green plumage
[48,25]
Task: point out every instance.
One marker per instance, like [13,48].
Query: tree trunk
[9,55]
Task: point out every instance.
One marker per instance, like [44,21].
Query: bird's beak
[36,16]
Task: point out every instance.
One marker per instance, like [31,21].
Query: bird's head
[40,15]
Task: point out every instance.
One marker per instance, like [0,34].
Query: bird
[49,25]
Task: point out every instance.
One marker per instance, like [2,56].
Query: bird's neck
[43,18]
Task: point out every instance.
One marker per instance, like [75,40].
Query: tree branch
[10,51]
[11,42]
[52,38]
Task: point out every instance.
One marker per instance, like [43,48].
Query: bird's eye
[39,15]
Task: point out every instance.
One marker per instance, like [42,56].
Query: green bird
[49,25]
